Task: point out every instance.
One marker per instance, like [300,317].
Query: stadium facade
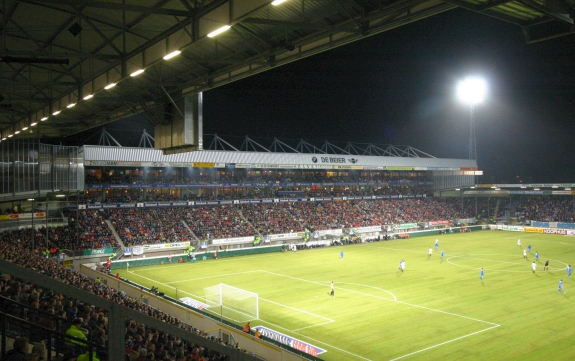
[31,168]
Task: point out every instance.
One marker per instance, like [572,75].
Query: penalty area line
[444,343]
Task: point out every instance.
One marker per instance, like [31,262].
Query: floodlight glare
[43,119]
[110,86]
[89,96]
[472,90]
[25,128]
[71,105]
[56,112]
[137,72]
[277,2]
[218,31]
[172,54]
[33,124]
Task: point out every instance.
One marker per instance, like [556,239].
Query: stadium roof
[55,53]
[145,157]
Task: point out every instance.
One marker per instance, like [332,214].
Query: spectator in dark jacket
[20,350]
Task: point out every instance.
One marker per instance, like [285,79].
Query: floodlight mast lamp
[472,91]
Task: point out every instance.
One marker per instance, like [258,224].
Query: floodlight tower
[472,91]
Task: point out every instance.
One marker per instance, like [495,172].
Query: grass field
[435,310]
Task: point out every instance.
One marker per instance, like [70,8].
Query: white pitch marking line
[297,309]
[317,324]
[263,299]
[449,313]
[221,260]
[444,343]
[346,289]
[405,303]
[205,278]
[342,350]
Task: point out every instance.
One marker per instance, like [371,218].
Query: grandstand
[74,218]
[138,206]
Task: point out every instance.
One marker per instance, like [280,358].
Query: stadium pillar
[476,206]
[116,328]
[47,232]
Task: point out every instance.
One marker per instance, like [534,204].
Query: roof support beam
[300,25]
[95,20]
[492,4]
[557,16]
[478,9]
[122,7]
[104,37]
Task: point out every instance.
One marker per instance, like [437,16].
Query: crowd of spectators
[140,226]
[271,218]
[138,337]
[545,209]
[217,222]
[149,225]
[87,228]
[150,195]
[182,176]
[164,225]
[92,228]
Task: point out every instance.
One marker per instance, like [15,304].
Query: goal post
[235,303]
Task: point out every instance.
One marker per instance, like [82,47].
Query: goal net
[233,303]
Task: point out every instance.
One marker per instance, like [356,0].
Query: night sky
[398,88]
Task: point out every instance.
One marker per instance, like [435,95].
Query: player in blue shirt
[536,256]
[529,248]
[341,255]
[569,270]
[436,244]
[560,287]
[442,254]
[481,274]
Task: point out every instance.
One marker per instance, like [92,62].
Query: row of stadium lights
[132,75]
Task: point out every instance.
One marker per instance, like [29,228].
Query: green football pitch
[437,309]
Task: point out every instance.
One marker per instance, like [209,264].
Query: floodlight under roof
[89,96]
[137,72]
[277,2]
[110,86]
[218,31]
[172,54]
[57,112]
